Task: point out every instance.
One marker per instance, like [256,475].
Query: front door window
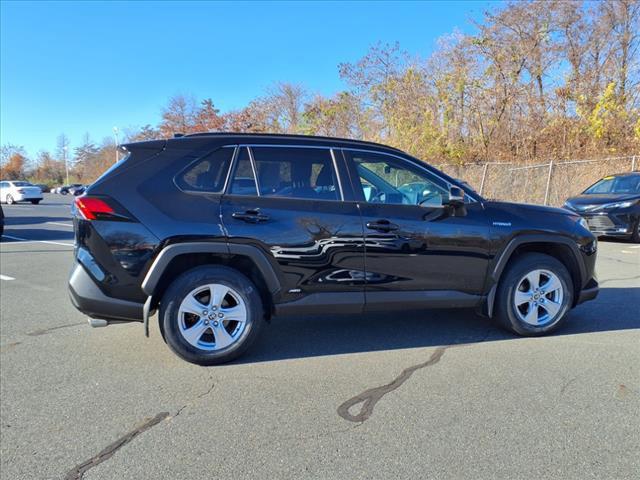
[387,180]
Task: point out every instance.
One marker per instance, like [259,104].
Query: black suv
[221,231]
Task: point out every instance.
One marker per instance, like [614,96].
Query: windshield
[620,185]
[21,184]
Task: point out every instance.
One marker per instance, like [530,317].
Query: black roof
[288,136]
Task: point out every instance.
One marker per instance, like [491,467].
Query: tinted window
[4,184]
[289,172]
[389,180]
[207,174]
[22,184]
[628,184]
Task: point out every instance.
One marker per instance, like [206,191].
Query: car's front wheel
[635,236]
[35,202]
[211,315]
[534,295]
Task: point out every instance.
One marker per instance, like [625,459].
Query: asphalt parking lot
[434,394]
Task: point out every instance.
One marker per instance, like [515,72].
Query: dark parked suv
[221,231]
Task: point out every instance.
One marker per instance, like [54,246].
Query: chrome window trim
[250,147]
[232,165]
[350,149]
[337,173]
[253,169]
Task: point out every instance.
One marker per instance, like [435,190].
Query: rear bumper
[89,299]
[23,197]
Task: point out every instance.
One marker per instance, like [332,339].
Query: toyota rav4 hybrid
[220,232]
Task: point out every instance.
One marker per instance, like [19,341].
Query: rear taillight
[20,190]
[92,208]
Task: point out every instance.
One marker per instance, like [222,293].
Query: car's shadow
[296,337]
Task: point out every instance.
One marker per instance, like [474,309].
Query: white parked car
[12,191]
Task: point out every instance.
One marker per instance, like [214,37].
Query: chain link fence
[545,183]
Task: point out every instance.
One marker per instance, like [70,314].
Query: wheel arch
[564,249]
[176,259]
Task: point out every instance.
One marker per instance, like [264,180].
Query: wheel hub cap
[212,317]
[538,298]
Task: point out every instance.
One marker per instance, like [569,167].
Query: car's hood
[523,208]
[602,198]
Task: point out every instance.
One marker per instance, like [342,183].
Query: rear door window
[207,174]
[306,173]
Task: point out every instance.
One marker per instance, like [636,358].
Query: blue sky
[77,67]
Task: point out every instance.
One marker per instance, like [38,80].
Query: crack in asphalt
[370,397]
[79,470]
[44,331]
[567,384]
[188,404]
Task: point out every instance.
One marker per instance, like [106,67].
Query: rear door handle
[251,216]
[382,226]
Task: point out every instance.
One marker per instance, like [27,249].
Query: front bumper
[610,224]
[89,299]
[589,292]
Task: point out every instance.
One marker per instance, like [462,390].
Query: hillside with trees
[536,81]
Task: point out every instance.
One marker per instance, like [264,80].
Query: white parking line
[26,240]
[635,246]
[6,277]
[61,224]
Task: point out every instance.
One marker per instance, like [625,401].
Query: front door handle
[251,216]
[382,226]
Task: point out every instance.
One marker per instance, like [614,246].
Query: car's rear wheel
[534,295]
[10,200]
[211,315]
[35,202]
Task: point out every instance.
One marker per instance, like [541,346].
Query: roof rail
[288,135]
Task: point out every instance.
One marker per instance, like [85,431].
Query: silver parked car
[12,191]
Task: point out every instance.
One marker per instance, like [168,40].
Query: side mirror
[456,196]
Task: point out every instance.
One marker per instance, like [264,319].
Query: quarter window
[207,174]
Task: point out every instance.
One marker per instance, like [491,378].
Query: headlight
[582,222]
[568,205]
[610,206]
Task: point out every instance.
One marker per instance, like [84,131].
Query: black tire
[505,313]
[635,236]
[35,202]
[10,200]
[200,276]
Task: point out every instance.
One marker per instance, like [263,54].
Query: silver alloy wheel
[212,317]
[538,298]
